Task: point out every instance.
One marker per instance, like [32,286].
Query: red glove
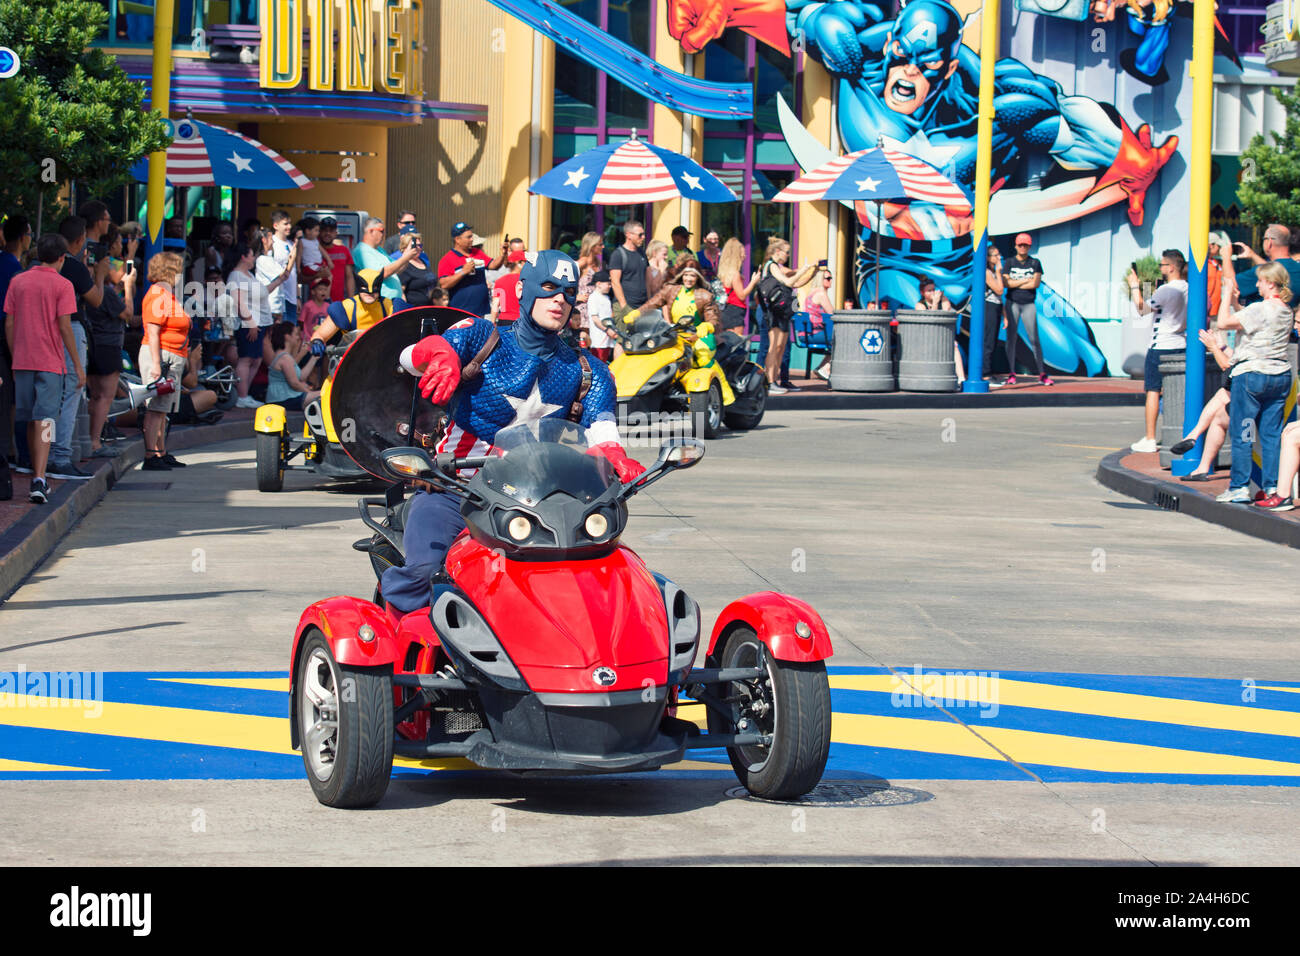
[441,367]
[1135,166]
[629,469]
[694,23]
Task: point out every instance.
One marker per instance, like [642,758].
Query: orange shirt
[161,308]
[1215,288]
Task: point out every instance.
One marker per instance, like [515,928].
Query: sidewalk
[1140,476]
[815,394]
[29,532]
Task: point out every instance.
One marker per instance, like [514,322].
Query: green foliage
[1270,182]
[70,113]
[1148,271]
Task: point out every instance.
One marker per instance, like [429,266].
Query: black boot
[6,481]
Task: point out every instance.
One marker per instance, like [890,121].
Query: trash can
[861,359]
[1173,398]
[925,351]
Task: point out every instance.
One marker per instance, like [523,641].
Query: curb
[828,401]
[26,545]
[1175,496]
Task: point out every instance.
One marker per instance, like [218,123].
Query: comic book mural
[1149,22]
[1083,154]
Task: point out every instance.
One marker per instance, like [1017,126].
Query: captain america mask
[548,289]
[922,51]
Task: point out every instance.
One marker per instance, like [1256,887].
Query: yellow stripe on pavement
[243,683]
[1287,690]
[24,766]
[207,728]
[907,733]
[1080,700]
[1109,756]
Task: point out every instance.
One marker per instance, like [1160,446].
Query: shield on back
[372,395]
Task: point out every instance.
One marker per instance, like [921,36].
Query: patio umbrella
[205,155]
[877,175]
[630,172]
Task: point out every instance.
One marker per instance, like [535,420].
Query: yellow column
[815,217]
[160,100]
[668,126]
[527,121]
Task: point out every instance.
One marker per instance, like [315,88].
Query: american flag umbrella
[205,155]
[630,172]
[878,175]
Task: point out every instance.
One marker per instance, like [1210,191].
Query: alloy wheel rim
[319,710]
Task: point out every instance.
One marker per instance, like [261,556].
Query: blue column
[975,354]
[1197,309]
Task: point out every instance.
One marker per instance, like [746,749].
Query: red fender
[773,617]
[339,619]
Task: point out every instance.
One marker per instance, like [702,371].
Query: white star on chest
[241,164]
[692,181]
[867,185]
[574,177]
[919,145]
[531,410]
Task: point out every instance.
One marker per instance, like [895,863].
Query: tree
[70,112]
[1270,182]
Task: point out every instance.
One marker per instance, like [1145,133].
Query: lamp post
[160,100]
[989,24]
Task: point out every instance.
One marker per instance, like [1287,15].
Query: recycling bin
[861,357]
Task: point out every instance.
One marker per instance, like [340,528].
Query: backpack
[773,295]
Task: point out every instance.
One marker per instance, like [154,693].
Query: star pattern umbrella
[878,175]
[205,155]
[630,172]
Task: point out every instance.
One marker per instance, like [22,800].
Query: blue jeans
[432,523]
[1257,398]
[65,429]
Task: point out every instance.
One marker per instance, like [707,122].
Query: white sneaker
[1235,496]
[1145,444]
[248,401]
[775,390]
[824,371]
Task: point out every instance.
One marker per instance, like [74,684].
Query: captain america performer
[911,82]
[496,378]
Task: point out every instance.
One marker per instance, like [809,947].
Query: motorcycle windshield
[650,333]
[542,457]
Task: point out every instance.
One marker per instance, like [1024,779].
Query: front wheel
[706,411]
[791,705]
[345,727]
[270,461]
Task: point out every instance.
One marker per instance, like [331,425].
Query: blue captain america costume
[515,387]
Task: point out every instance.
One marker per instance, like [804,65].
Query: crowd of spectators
[1256,307]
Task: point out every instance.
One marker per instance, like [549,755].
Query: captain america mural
[905,77]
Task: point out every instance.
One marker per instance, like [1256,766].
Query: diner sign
[351,44]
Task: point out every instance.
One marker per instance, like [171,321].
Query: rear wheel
[706,411]
[791,704]
[345,727]
[270,461]
[755,401]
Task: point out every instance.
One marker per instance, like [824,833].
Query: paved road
[1125,644]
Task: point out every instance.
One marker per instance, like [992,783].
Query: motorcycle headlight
[596,525]
[519,527]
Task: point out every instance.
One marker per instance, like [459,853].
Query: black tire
[270,461]
[350,766]
[756,403]
[799,719]
[706,411]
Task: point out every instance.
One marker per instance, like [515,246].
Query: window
[591,109]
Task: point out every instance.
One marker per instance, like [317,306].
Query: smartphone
[1134,267]
[130,266]
[821,263]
